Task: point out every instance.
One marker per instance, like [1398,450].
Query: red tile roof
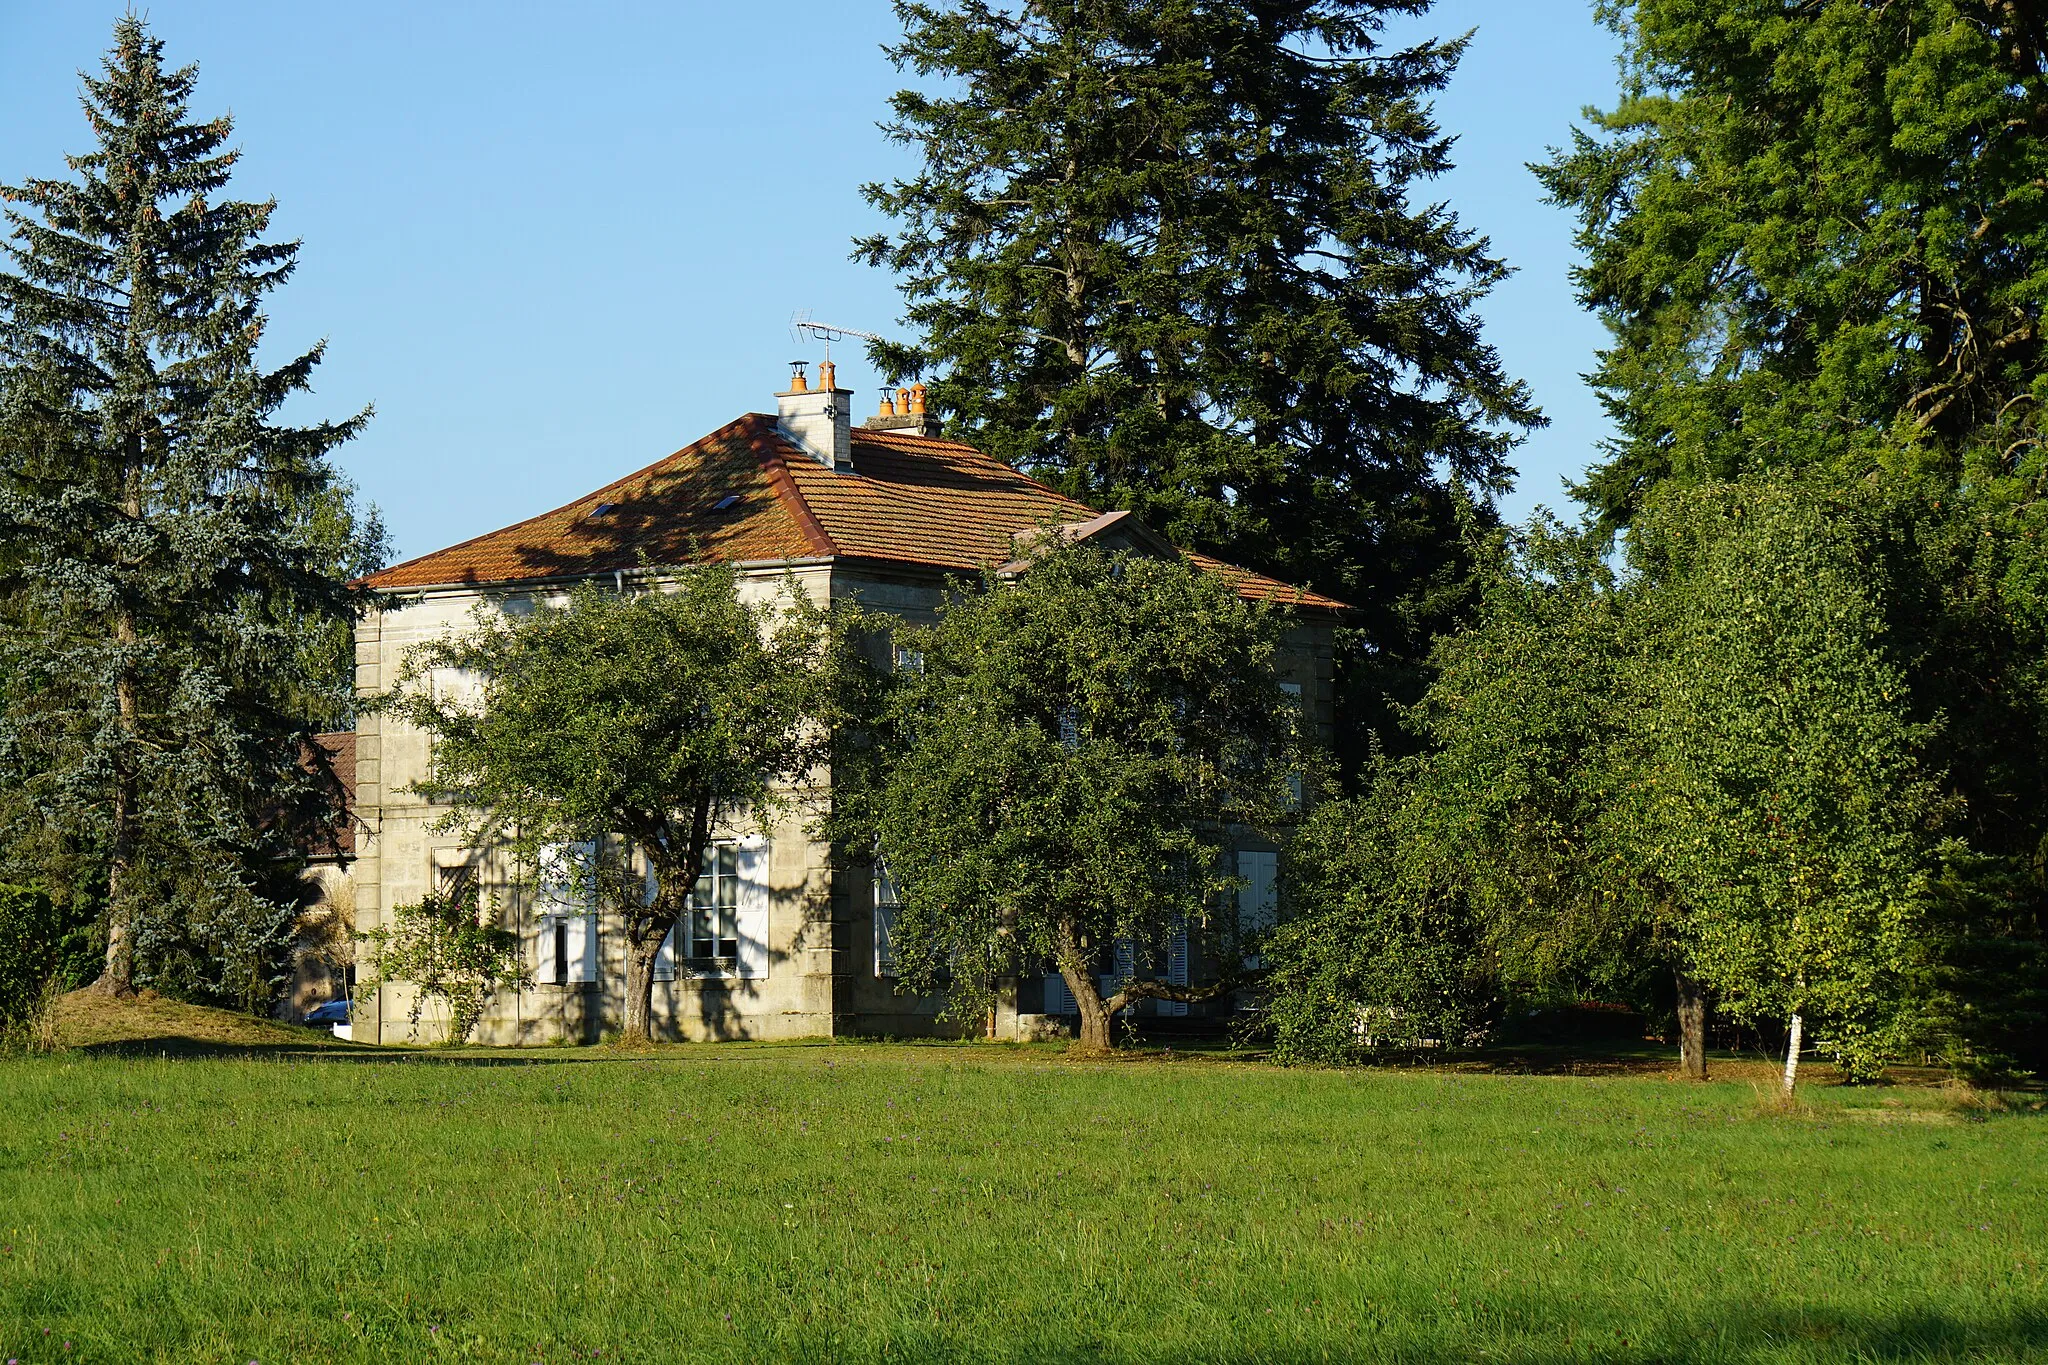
[910,499]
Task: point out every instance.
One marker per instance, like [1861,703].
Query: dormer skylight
[726,503]
[603,509]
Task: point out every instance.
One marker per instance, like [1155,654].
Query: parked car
[333,1012]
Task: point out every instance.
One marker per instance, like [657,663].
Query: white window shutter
[1257,907]
[665,957]
[885,900]
[546,970]
[548,884]
[751,909]
[885,938]
[579,941]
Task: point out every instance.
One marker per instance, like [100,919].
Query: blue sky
[553,243]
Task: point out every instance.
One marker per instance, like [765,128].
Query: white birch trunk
[1797,1036]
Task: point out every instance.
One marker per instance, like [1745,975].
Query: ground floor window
[888,900]
[711,928]
[567,946]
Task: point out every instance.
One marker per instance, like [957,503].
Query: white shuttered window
[1176,971]
[726,928]
[753,908]
[567,901]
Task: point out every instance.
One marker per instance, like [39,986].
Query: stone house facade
[886,512]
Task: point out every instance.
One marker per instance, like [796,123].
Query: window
[1294,786]
[712,924]
[452,689]
[567,901]
[909,660]
[887,900]
[452,881]
[1176,973]
[1258,904]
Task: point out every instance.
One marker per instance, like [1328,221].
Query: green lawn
[869,1202]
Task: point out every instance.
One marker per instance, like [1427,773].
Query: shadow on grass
[182,1048]
[1732,1335]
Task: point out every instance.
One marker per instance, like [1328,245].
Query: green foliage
[1817,235]
[449,952]
[175,560]
[1061,758]
[1501,859]
[1819,238]
[1169,256]
[31,952]
[1381,951]
[1792,794]
[655,717]
[1982,971]
[1723,759]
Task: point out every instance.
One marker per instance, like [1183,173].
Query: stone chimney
[818,420]
[903,410]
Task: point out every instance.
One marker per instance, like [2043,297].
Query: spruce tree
[1164,254]
[175,559]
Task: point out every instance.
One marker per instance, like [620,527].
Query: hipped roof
[909,499]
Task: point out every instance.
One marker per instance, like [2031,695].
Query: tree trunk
[1692,1027]
[118,976]
[1095,1017]
[638,1028]
[1072,960]
[1796,1035]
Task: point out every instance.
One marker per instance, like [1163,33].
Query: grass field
[964,1202]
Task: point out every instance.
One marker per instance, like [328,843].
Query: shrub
[31,952]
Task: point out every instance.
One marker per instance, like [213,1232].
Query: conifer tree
[1819,238]
[1163,254]
[175,560]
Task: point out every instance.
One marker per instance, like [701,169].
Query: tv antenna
[802,329]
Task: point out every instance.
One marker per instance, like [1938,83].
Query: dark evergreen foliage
[1819,236]
[176,560]
[1165,254]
